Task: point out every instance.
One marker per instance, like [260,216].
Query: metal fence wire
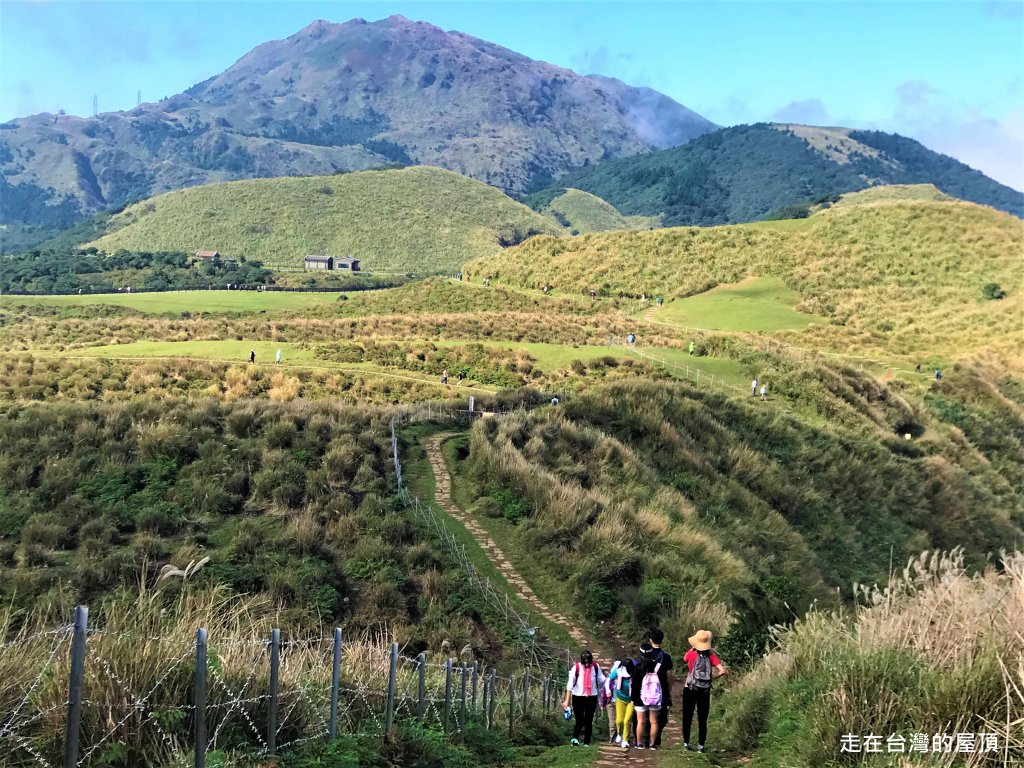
[99,697]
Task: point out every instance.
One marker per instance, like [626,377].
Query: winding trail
[609,755]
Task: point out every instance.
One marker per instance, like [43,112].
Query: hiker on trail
[554,400]
[693,347]
[252,355]
[646,694]
[703,667]
[487,282]
[606,700]
[459,276]
[593,295]
[764,391]
[460,376]
[917,368]
[278,357]
[665,665]
[631,339]
[545,289]
[659,301]
[444,376]
[467,278]
[938,375]
[753,387]
[622,705]
[585,680]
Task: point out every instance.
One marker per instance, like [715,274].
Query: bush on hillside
[993,291]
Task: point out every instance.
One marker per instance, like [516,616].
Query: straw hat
[701,640]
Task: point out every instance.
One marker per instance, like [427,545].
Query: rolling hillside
[747,172]
[337,97]
[581,212]
[417,219]
[905,278]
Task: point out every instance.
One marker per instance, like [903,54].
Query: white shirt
[575,681]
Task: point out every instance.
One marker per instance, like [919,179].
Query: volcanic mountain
[332,98]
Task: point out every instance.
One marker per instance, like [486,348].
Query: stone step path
[610,755]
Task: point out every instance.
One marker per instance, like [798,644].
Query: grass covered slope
[580,211]
[745,172]
[418,219]
[890,193]
[659,502]
[903,278]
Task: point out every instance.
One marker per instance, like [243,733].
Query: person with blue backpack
[582,688]
[704,666]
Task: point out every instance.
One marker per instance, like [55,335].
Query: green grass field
[755,304]
[418,219]
[176,302]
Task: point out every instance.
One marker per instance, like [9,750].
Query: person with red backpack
[582,687]
[704,666]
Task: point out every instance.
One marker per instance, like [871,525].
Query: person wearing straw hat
[704,665]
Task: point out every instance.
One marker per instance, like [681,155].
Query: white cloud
[806,111]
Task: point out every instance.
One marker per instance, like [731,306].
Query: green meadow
[176,302]
[755,304]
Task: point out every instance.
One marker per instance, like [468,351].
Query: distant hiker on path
[764,391]
[938,375]
[917,368]
[252,355]
[753,387]
[631,339]
[444,376]
[703,667]
[658,301]
[692,348]
[581,688]
[460,376]
[278,357]
[593,295]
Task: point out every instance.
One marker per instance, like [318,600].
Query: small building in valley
[347,262]
[207,255]
[319,262]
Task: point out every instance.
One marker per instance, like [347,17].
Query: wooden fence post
[200,699]
[421,705]
[332,731]
[447,695]
[392,680]
[462,702]
[275,669]
[75,685]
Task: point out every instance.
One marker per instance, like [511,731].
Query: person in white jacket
[584,683]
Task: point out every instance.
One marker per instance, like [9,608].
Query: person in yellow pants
[621,677]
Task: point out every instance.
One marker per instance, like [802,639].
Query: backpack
[650,688]
[699,678]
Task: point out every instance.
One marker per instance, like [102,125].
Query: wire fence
[696,375]
[97,700]
[80,695]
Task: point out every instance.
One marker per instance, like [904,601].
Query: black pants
[701,701]
[583,709]
[662,722]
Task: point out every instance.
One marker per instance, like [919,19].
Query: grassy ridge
[417,219]
[900,279]
[657,502]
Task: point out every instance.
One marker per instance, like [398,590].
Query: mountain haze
[339,97]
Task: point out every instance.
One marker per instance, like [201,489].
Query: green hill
[904,279]
[580,211]
[891,193]
[746,172]
[417,219]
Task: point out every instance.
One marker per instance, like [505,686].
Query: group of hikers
[637,693]
[252,356]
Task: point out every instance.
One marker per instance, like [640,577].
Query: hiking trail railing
[696,375]
[88,704]
[99,695]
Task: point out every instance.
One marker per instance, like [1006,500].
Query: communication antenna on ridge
[138,98]
[95,105]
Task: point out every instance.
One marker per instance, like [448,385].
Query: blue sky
[950,74]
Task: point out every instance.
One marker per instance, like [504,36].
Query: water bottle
[567,713]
